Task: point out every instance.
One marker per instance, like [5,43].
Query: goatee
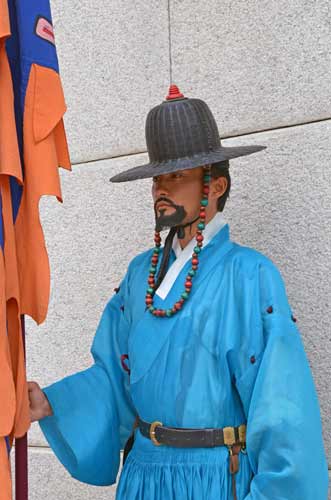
[163,221]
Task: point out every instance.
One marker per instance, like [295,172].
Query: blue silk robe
[233,355]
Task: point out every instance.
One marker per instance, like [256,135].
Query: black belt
[192,438]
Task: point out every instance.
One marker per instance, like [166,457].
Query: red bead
[151,281]
[202,216]
[155,260]
[149,301]
[188,284]
[199,237]
[206,190]
[195,262]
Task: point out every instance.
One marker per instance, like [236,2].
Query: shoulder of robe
[141,259]
[138,267]
[253,267]
[250,261]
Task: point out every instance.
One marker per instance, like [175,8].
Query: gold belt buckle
[229,436]
[242,433]
[152,432]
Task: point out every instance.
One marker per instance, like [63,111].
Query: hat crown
[180,127]
[181,134]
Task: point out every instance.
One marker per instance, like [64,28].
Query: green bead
[151,308]
[169,313]
[204,203]
[197,249]
[206,178]
[185,295]
[201,225]
[152,270]
[150,290]
[157,250]
[191,273]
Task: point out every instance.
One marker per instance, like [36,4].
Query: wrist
[47,408]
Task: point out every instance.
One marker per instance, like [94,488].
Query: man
[199,349]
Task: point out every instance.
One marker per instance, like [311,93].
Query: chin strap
[180,230]
[165,257]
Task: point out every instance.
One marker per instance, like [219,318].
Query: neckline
[183,255]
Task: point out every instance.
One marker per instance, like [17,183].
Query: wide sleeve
[284,435]
[92,411]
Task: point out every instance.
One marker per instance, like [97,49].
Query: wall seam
[245,134]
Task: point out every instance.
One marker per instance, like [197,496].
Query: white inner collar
[183,255]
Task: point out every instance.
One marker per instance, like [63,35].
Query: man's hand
[39,404]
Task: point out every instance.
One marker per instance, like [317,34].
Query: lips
[163,205]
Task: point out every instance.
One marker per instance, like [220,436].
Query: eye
[177,175]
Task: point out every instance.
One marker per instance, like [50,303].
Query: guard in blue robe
[231,356]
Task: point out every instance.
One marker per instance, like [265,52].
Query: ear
[218,187]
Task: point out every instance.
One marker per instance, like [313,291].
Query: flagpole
[21,451]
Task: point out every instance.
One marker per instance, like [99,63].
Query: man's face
[177,197]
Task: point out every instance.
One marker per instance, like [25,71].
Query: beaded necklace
[168,313]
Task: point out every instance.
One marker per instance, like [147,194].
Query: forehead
[190,173]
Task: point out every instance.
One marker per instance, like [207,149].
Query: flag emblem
[44,29]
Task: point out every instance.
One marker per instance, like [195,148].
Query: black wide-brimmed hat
[181,133]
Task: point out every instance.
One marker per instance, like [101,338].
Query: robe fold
[232,355]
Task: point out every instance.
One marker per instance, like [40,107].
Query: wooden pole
[21,452]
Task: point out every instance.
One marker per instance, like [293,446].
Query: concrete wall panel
[260,65]
[48,479]
[113,61]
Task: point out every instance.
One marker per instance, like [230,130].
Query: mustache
[166,200]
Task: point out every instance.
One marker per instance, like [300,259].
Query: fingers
[32,386]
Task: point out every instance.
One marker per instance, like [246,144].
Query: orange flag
[24,266]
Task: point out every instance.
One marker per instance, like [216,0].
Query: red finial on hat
[174,93]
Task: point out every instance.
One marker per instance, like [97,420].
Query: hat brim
[153,169]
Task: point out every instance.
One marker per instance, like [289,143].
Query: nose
[160,188]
